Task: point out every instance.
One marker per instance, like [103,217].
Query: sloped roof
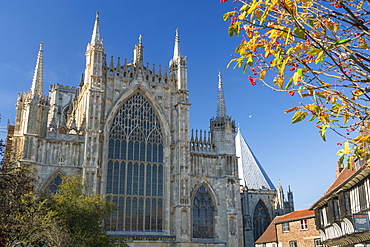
[296,215]
[343,176]
[269,234]
[250,170]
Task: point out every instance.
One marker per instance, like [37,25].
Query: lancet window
[203,214]
[135,167]
[261,219]
[53,186]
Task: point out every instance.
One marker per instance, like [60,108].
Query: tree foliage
[67,218]
[316,49]
[25,219]
[82,214]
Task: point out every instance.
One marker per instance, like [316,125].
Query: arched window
[135,167]
[261,219]
[53,186]
[203,226]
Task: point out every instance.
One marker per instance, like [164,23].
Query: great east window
[135,167]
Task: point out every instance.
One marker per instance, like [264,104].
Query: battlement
[202,142]
[68,89]
[128,70]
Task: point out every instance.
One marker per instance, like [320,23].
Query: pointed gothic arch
[134,164]
[151,99]
[53,180]
[261,219]
[203,212]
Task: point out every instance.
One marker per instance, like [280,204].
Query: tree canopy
[316,49]
[68,217]
[82,214]
[25,218]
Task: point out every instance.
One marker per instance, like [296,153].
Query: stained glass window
[203,214]
[53,187]
[261,219]
[135,167]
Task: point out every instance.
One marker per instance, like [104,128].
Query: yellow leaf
[333,100]
[296,77]
[345,150]
[282,68]
[253,7]
[242,15]
[357,93]
[320,57]
[345,118]
[258,14]
[290,5]
[263,74]
[359,139]
[335,28]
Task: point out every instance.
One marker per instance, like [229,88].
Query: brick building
[291,230]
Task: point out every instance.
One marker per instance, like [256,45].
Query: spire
[36,88]
[139,52]
[95,38]
[176,50]
[221,106]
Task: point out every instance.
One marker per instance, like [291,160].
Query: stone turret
[222,126]
[33,104]
[139,53]
[94,57]
[178,66]
[91,97]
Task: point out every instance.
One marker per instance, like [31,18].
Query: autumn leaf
[291,109]
[299,116]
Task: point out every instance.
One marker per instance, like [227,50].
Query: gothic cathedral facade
[126,130]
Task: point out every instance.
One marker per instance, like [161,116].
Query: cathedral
[126,130]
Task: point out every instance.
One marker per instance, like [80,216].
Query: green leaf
[349,162]
[342,41]
[341,159]
[299,32]
[322,132]
[300,72]
[289,84]
[250,61]
[238,48]
[316,108]
[314,52]
[299,116]
[278,57]
[313,117]
[320,57]
[310,22]
[227,15]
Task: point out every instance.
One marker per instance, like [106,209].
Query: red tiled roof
[343,176]
[296,215]
[270,233]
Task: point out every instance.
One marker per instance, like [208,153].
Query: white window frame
[285,227]
[318,242]
[304,225]
[293,243]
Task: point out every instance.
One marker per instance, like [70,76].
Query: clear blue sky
[293,154]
